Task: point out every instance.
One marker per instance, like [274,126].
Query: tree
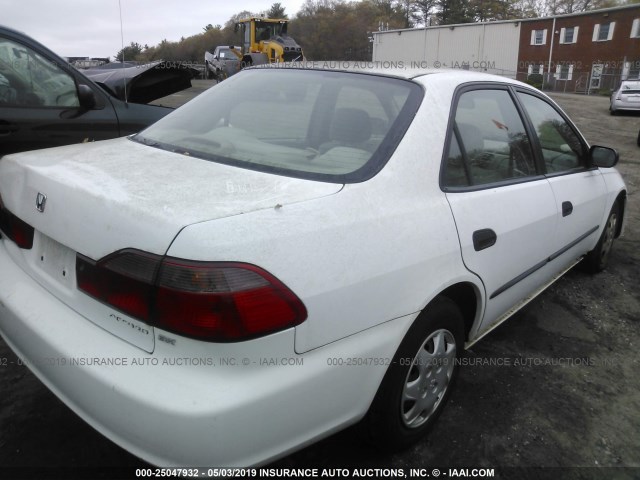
[424,10]
[276,11]
[337,30]
[408,10]
[130,52]
[489,10]
[231,23]
[454,11]
[560,7]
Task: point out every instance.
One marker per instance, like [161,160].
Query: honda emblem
[41,201]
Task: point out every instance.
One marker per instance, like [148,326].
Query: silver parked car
[627,97]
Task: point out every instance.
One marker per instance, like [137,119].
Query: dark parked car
[45,102]
[142,83]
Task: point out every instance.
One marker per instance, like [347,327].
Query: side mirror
[86,97]
[603,157]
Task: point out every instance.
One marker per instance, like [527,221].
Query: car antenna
[124,78]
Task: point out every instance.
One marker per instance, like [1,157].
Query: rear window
[320,125]
[630,88]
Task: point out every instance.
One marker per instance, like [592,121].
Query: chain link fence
[600,79]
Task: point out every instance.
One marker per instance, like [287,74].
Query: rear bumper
[617,105]
[192,403]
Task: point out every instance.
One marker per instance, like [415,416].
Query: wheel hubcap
[428,378]
[609,234]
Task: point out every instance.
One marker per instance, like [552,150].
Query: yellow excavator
[265,40]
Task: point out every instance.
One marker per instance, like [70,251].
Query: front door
[39,103]
[579,191]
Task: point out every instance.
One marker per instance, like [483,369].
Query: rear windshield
[320,125]
[630,88]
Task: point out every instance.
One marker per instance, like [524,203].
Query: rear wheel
[418,383]
[596,260]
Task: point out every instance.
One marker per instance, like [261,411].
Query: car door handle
[484,238]
[567,208]
[7,128]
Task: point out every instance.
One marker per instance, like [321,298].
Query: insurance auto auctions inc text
[373,472]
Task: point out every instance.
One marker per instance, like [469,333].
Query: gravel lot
[535,411]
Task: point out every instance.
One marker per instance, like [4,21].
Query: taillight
[123,280]
[15,229]
[215,301]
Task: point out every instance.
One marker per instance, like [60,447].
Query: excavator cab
[265,40]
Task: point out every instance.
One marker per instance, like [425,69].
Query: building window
[535,69]
[603,34]
[564,72]
[603,31]
[631,70]
[635,28]
[539,37]
[569,35]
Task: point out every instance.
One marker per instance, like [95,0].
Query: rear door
[39,102]
[504,207]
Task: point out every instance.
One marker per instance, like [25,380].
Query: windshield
[323,125]
[227,54]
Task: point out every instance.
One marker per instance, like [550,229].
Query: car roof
[12,30]
[398,69]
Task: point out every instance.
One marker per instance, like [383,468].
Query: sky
[91,28]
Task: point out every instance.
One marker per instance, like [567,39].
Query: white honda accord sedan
[294,251]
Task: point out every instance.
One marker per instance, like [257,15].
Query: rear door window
[488,143]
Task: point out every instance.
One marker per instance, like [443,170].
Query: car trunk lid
[108,196]
[121,194]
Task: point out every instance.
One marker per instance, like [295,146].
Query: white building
[490,47]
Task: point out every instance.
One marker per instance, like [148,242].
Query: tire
[424,367]
[221,75]
[597,259]
[639,139]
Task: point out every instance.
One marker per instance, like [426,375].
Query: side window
[561,147]
[456,175]
[489,143]
[30,80]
